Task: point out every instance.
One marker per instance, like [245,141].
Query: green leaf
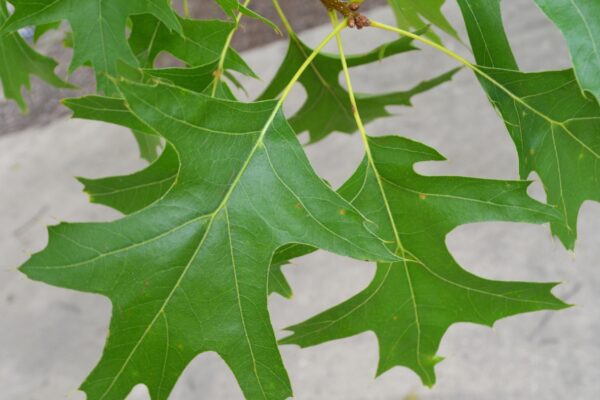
[557,133]
[200,46]
[41,30]
[201,42]
[134,192]
[113,110]
[327,107]
[409,305]
[198,79]
[229,6]
[490,47]
[107,109]
[555,128]
[418,14]
[579,21]
[253,14]
[150,145]
[18,62]
[277,281]
[131,193]
[98,28]
[189,273]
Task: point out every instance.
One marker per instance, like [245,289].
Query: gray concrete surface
[50,338]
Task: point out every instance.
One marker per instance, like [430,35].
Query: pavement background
[50,338]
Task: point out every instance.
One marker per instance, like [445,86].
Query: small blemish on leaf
[422,196]
[298,206]
[342,211]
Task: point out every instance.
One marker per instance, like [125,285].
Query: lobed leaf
[133,192]
[189,273]
[555,128]
[410,304]
[19,61]
[210,223]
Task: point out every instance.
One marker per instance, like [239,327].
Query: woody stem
[338,5]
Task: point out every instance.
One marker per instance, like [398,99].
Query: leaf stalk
[186,9]
[309,59]
[284,20]
[220,68]
[428,42]
[362,130]
[400,249]
[484,75]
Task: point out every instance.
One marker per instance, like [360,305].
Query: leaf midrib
[213,215]
[413,259]
[400,248]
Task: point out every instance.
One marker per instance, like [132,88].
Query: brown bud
[362,21]
[354,6]
[351,22]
